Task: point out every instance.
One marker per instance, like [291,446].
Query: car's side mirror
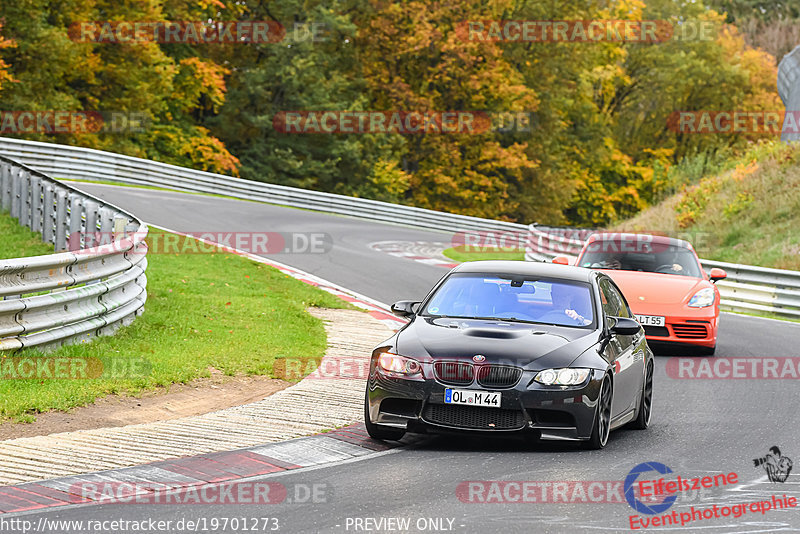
[624,326]
[404,308]
[561,260]
[717,274]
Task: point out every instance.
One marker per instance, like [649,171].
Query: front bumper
[699,331]
[529,408]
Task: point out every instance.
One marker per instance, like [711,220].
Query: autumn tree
[57,71]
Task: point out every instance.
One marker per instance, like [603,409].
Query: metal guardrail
[73,295]
[746,289]
[546,242]
[78,163]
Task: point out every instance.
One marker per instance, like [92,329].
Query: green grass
[692,169]
[132,186]
[748,215]
[464,253]
[764,315]
[17,241]
[203,310]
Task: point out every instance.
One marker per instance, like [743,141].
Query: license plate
[472,398]
[650,320]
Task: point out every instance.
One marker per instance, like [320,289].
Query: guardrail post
[16,192]
[5,186]
[37,215]
[106,217]
[75,239]
[48,214]
[90,210]
[61,220]
[120,226]
[25,199]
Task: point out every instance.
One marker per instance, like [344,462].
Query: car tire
[602,417]
[379,431]
[642,421]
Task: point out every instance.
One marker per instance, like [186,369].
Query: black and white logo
[776,465]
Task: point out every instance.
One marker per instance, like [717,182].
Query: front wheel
[646,402]
[602,417]
[379,431]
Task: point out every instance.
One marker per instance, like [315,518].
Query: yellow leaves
[387,182]
[742,201]
[694,200]
[209,154]
[4,75]
[471,176]
[758,66]
[198,78]
[742,171]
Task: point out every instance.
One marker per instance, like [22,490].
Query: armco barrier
[746,289]
[70,296]
[68,162]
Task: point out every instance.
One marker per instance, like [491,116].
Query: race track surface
[700,427]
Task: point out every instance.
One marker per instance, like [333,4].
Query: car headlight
[562,377]
[394,363]
[703,298]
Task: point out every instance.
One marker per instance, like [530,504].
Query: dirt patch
[199,396]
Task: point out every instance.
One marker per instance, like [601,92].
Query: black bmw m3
[507,347]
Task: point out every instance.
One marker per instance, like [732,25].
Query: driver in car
[671,265]
[612,261]
[565,300]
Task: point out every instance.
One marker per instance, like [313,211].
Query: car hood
[646,291]
[527,345]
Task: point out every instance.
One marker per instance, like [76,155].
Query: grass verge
[203,310]
[18,242]
[749,215]
[464,253]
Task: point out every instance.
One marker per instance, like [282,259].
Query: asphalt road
[699,427]
[349,263]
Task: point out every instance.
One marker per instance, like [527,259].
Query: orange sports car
[673,298]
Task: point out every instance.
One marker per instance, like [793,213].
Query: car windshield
[470,295]
[654,258]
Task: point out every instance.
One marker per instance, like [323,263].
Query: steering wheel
[558,317]
[515,315]
[665,269]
